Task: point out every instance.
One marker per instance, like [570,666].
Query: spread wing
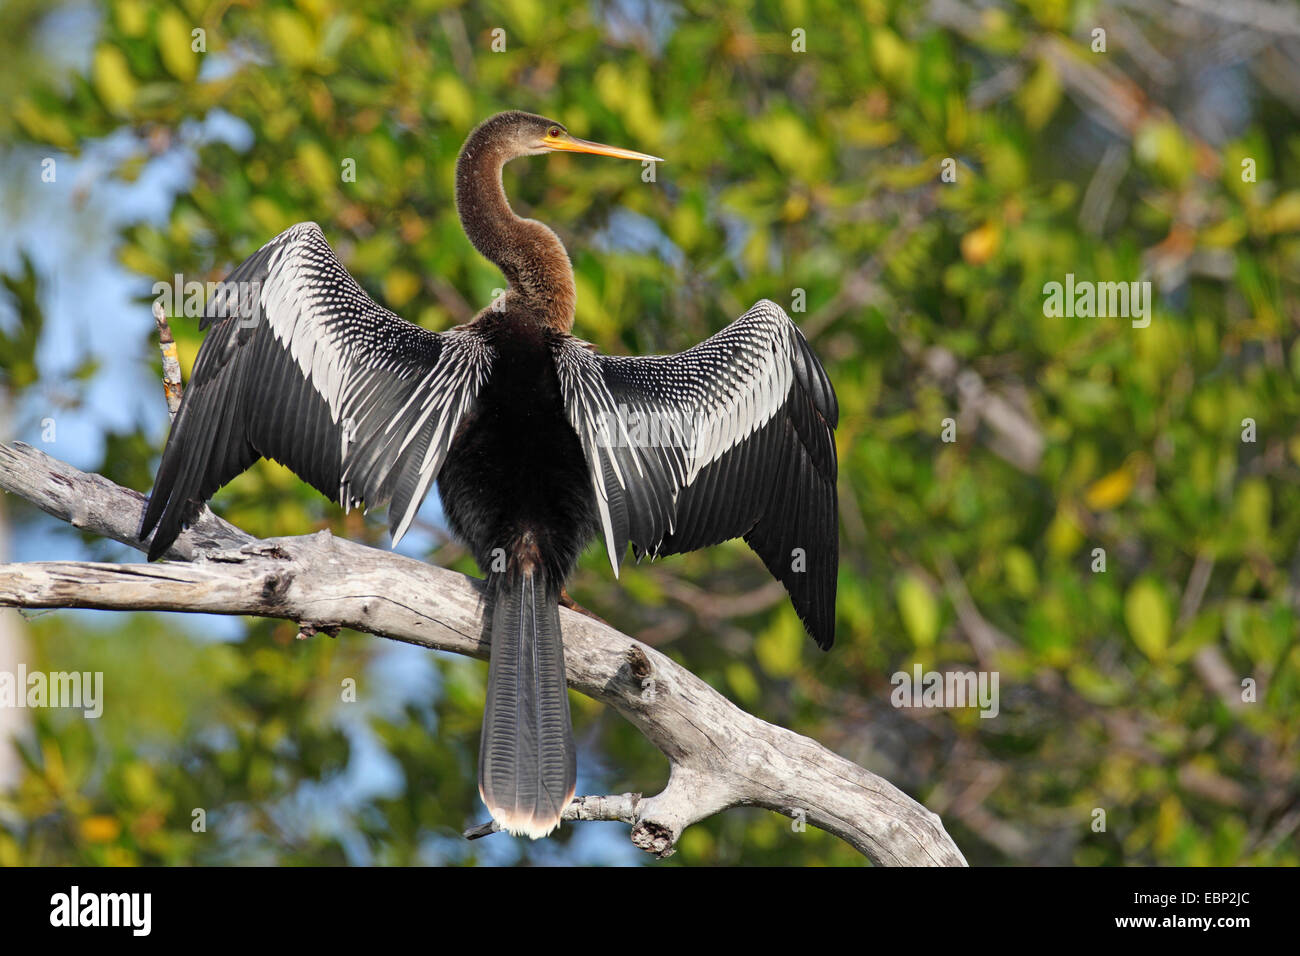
[731,438]
[303,367]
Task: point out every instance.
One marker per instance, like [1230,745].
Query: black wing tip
[158,547]
[163,537]
[149,519]
[819,627]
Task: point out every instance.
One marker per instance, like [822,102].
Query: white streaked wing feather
[320,315]
[736,385]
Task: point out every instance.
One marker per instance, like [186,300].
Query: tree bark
[720,756]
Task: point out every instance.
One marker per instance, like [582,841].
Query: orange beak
[571,144]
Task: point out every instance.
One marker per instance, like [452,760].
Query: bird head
[532,135]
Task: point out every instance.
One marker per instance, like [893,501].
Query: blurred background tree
[904,178]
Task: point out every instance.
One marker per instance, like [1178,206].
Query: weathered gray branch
[720,756]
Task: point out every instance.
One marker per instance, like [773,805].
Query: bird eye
[553,132]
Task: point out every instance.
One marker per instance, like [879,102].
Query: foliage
[813,178]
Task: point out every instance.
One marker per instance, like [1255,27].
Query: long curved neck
[530,255]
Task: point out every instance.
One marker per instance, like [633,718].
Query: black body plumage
[516,467]
[515,489]
[538,444]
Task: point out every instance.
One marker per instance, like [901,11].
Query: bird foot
[308,629]
[572,605]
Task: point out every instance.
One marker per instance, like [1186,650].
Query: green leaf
[1146,611]
[917,607]
[174,45]
[779,647]
[112,79]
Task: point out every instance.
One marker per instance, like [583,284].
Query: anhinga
[536,441]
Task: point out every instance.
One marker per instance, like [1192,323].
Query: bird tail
[527,767]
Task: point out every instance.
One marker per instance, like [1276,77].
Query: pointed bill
[571,144]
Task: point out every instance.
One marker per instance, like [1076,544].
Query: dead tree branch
[720,756]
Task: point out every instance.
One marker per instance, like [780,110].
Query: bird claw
[572,605]
[307,629]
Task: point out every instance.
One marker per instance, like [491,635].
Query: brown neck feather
[530,255]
